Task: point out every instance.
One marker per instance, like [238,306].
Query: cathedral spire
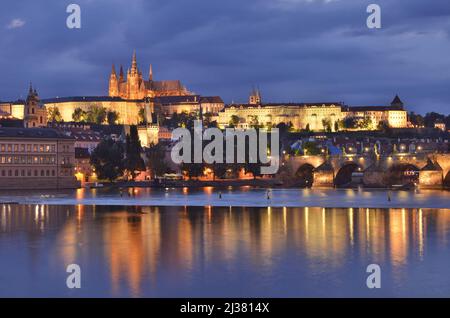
[113,70]
[30,91]
[121,74]
[150,73]
[134,63]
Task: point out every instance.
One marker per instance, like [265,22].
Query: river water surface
[225,251]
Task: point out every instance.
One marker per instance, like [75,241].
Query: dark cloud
[294,50]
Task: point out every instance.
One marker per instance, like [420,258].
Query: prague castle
[127,96]
[130,93]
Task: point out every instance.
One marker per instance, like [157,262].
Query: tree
[350,122]
[133,150]
[416,119]
[431,118]
[365,123]
[234,121]
[308,128]
[219,170]
[141,115]
[192,169]
[326,122]
[107,159]
[183,119]
[156,160]
[207,119]
[254,121]
[310,149]
[384,127]
[336,125]
[96,114]
[213,124]
[283,129]
[54,115]
[112,117]
[79,115]
[253,168]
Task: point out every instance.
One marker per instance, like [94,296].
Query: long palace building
[309,115]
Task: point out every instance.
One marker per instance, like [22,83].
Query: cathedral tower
[134,80]
[113,83]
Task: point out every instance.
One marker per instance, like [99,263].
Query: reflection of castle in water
[136,243]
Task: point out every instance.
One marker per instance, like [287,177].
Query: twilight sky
[294,50]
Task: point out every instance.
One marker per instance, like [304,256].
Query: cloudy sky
[294,50]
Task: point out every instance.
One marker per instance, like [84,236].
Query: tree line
[114,159]
[94,114]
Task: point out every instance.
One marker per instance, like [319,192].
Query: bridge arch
[305,175]
[402,174]
[345,172]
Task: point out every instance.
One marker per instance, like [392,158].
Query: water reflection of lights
[323,220]
[350,222]
[350,193]
[136,244]
[368,224]
[80,194]
[208,190]
[420,225]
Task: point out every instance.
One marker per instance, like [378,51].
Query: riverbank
[256,183]
[219,183]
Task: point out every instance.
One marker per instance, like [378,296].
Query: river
[195,244]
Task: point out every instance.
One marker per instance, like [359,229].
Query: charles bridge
[422,169]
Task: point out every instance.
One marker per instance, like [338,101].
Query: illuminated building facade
[135,87]
[394,115]
[309,116]
[36,158]
[299,116]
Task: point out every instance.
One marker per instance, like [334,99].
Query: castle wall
[127,110]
